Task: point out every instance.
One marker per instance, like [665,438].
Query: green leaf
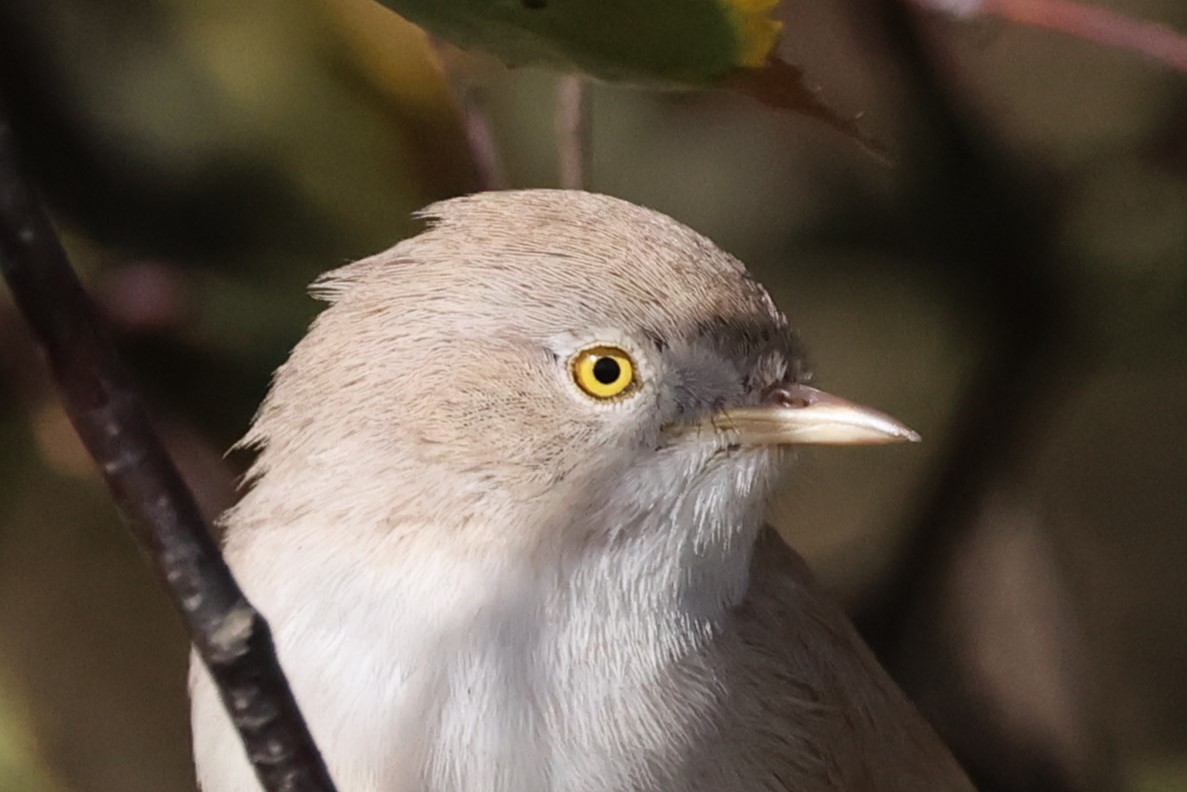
[672,43]
[691,43]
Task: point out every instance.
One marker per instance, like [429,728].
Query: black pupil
[606,370]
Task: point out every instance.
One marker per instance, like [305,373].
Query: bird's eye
[604,372]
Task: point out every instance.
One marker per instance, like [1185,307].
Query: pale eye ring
[604,372]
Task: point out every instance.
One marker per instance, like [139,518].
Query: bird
[506,521]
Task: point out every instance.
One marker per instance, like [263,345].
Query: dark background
[1013,285]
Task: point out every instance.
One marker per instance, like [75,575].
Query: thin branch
[1091,23]
[572,131]
[230,635]
[476,121]
[488,160]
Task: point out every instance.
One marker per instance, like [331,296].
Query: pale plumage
[480,578]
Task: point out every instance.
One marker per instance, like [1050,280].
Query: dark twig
[572,131]
[230,635]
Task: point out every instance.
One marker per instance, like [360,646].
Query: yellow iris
[603,372]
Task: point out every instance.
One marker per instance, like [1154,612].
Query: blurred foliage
[207,158]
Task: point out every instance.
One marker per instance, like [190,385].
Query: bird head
[568,363]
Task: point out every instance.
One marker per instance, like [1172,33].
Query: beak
[795,414]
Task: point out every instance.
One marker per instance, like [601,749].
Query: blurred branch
[1099,25]
[985,214]
[572,131]
[230,635]
[488,161]
[481,138]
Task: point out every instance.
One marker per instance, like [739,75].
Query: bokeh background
[1013,284]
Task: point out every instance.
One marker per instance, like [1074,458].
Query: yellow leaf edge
[757,31]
